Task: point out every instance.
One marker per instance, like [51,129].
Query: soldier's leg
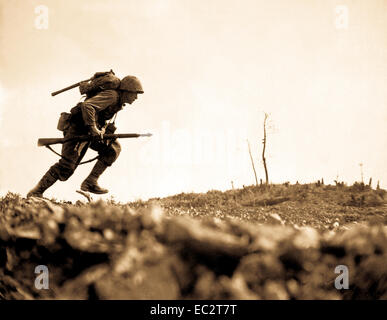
[47,181]
[107,155]
[62,170]
[72,155]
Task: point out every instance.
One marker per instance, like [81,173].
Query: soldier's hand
[95,132]
[102,132]
[111,128]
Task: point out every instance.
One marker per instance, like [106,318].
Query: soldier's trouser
[73,154]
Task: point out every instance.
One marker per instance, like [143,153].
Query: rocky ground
[276,242]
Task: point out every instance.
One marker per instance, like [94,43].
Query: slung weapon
[70,87]
[96,75]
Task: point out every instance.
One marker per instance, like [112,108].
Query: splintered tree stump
[86,195]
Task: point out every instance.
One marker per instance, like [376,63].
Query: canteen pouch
[64,121]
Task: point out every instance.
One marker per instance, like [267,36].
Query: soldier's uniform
[96,110]
[89,117]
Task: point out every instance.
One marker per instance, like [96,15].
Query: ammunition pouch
[77,109]
[111,128]
[64,121]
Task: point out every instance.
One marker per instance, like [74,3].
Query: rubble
[111,251]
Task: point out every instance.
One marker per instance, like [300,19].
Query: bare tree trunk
[252,163]
[361,172]
[264,148]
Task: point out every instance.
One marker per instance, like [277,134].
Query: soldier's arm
[96,104]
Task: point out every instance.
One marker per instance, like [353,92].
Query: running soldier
[91,117]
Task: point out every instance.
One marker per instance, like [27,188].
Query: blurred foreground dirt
[105,250]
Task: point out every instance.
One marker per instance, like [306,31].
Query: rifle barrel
[69,87]
[50,141]
[65,89]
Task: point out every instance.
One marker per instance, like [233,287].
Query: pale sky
[210,69]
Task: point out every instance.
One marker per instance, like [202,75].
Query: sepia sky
[210,69]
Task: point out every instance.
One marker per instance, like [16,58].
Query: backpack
[99,82]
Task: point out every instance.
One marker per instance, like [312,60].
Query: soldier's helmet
[132,84]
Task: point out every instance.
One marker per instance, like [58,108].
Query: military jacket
[97,109]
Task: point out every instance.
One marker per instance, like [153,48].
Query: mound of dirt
[110,251]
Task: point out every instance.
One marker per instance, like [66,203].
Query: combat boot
[90,184]
[47,181]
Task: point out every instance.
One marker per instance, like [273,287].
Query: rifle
[50,141]
[96,75]
[70,87]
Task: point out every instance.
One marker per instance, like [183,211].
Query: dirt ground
[259,242]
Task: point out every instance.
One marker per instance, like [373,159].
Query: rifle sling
[63,157]
[90,160]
